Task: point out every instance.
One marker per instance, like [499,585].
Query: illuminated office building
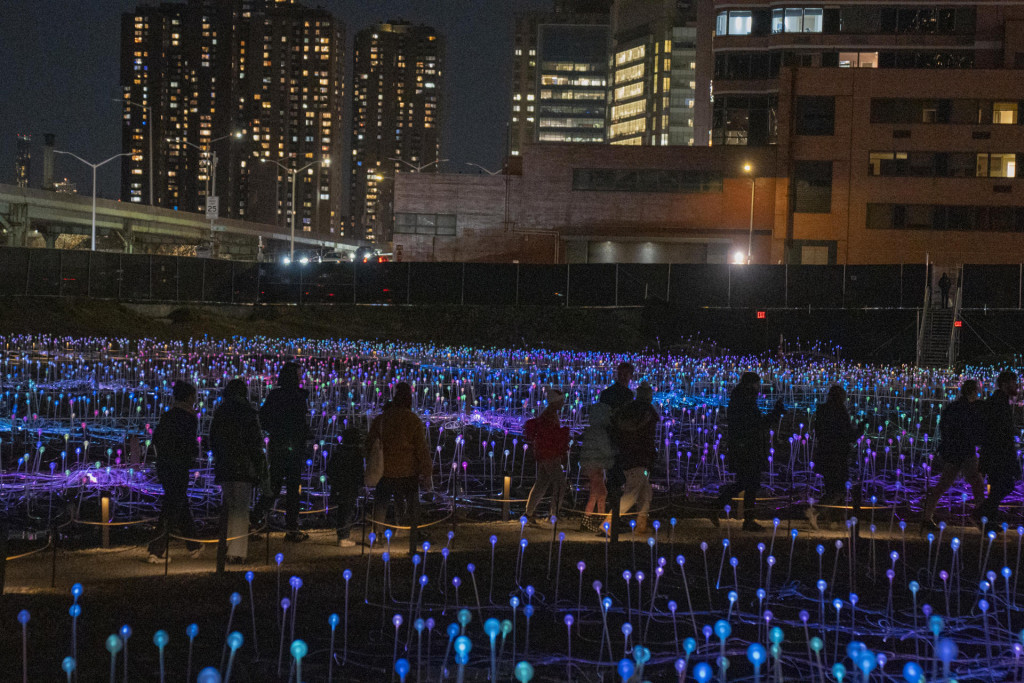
[559,75]
[23,160]
[396,117]
[659,90]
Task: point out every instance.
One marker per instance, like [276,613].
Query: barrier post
[3,554]
[222,541]
[506,494]
[53,556]
[104,517]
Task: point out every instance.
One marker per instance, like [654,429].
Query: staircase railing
[954,331]
[923,322]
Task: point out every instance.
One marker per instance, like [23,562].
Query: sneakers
[751,525]
[346,543]
[296,536]
[157,559]
[196,554]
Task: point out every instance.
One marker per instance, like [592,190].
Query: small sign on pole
[212,208]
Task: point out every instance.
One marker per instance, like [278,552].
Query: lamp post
[94,167]
[485,170]
[414,167]
[149,124]
[748,168]
[211,176]
[295,173]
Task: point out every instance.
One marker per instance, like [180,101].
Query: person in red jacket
[549,441]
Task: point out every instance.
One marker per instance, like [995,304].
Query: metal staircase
[938,335]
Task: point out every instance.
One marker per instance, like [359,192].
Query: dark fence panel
[135,283]
[912,278]
[435,283]
[753,286]
[245,276]
[190,279]
[490,284]
[592,285]
[542,285]
[279,283]
[991,286]
[14,267]
[696,286]
[105,275]
[217,281]
[814,286]
[164,276]
[874,287]
[638,282]
[74,270]
[44,272]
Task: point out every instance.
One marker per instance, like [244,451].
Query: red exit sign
[760,315]
[958,323]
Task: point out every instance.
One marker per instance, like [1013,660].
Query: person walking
[407,461]
[238,463]
[833,434]
[618,393]
[176,448]
[284,415]
[596,457]
[635,426]
[550,444]
[345,476]
[748,446]
[959,436]
[944,286]
[998,454]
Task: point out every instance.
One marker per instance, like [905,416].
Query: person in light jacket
[596,457]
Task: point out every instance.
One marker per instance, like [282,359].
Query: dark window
[424,224]
[646,180]
[945,217]
[815,115]
[858,19]
[879,216]
[812,187]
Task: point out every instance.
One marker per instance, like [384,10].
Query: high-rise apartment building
[752,40]
[559,74]
[659,90]
[23,160]
[215,89]
[396,117]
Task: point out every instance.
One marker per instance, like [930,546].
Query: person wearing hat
[549,442]
[634,427]
[748,446]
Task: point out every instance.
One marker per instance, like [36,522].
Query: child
[345,475]
[550,443]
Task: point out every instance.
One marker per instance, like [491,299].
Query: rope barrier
[137,521]
[31,552]
[418,526]
[217,540]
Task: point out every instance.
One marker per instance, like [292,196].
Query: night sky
[60,62]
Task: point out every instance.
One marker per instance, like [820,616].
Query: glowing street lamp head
[739,257]
[748,167]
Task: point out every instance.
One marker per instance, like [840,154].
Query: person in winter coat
[998,452]
[176,447]
[284,415]
[596,456]
[238,461]
[959,436]
[833,433]
[748,446]
[549,442]
[407,460]
[634,427]
[345,476]
[618,393]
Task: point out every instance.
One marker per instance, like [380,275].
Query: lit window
[1004,112]
[740,22]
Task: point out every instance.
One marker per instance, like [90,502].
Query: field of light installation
[869,599]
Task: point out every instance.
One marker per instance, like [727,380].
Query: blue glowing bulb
[756,654]
[235,640]
[209,675]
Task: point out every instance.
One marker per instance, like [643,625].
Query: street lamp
[485,170]
[94,167]
[149,123]
[748,168]
[211,180]
[414,167]
[295,173]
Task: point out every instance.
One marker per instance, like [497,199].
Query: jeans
[637,491]
[950,472]
[237,495]
[406,493]
[175,515]
[286,467]
[550,477]
[598,491]
[1000,486]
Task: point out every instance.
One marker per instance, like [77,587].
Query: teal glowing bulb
[235,640]
[160,638]
[492,627]
[524,672]
[114,644]
[299,649]
[464,617]
[463,645]
[68,665]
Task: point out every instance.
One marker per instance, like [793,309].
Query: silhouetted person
[960,432]
[618,393]
[833,434]
[747,456]
[238,463]
[596,457]
[998,454]
[176,448]
[634,428]
[944,284]
[345,476]
[284,416]
[549,442]
[407,460]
